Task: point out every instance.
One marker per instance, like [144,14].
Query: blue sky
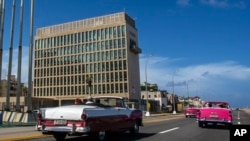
[202,44]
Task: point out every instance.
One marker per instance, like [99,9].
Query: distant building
[157,99]
[103,50]
[13,87]
[13,92]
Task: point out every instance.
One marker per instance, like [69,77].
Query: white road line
[169,130]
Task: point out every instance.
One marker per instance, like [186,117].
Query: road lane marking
[169,130]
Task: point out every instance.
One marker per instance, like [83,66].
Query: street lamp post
[146,87]
[188,89]
[187,92]
[174,111]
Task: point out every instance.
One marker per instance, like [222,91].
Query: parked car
[215,113]
[191,112]
[97,116]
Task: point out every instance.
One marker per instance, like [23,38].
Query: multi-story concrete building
[103,50]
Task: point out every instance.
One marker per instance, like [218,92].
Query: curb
[25,137]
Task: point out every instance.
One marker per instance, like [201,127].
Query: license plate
[60,122]
[213,116]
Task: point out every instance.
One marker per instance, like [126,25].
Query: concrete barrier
[12,116]
[28,118]
[6,116]
[18,117]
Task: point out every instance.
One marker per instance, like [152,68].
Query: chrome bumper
[213,120]
[68,129]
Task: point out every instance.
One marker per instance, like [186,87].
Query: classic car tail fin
[39,118]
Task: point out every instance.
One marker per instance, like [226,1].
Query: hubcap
[102,135]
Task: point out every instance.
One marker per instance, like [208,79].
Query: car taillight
[230,113]
[198,113]
[39,116]
[84,116]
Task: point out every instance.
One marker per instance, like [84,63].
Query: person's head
[78,101]
[209,105]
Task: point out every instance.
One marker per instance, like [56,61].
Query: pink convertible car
[215,113]
[191,112]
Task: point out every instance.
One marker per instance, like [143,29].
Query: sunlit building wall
[103,48]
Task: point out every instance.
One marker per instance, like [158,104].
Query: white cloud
[24,64]
[183,2]
[218,80]
[224,3]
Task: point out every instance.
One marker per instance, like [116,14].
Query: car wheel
[229,125]
[102,136]
[135,129]
[59,136]
[200,124]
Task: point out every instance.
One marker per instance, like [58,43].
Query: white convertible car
[95,117]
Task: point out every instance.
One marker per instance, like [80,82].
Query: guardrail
[16,118]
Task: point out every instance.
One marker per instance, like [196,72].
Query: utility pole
[19,59]
[7,106]
[146,86]
[30,58]
[2,14]
[174,111]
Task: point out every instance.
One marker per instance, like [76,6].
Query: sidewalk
[21,132]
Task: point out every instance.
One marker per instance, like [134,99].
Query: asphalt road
[173,130]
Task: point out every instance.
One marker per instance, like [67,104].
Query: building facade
[101,50]
[13,93]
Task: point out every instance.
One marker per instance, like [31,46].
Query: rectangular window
[110,44]
[112,88]
[118,76]
[86,36]
[98,46]
[90,36]
[94,35]
[79,37]
[121,87]
[82,37]
[103,89]
[123,30]
[125,87]
[49,42]
[110,33]
[115,43]
[106,33]
[116,88]
[75,38]
[64,39]
[114,32]
[103,34]
[102,45]
[119,31]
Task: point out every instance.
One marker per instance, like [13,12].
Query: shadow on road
[217,126]
[114,137]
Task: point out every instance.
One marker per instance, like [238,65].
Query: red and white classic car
[96,117]
[191,112]
[215,113]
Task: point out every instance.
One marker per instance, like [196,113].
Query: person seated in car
[78,101]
